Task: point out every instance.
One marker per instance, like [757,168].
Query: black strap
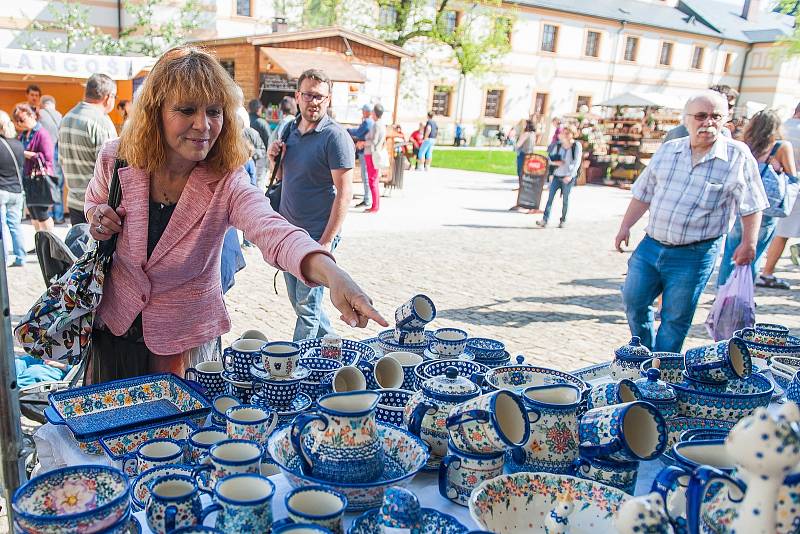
[287,130]
[106,248]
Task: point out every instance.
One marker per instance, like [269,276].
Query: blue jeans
[11,217]
[765,234]
[520,163]
[312,321]
[58,206]
[565,188]
[679,274]
[426,150]
[365,180]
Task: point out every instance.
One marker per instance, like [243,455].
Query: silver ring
[100,219]
[100,229]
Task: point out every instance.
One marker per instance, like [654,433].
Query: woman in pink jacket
[183,186]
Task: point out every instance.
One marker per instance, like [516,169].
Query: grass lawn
[495,161]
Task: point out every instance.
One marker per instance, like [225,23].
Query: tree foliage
[72,20]
[791,44]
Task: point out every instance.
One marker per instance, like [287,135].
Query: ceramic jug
[340,441]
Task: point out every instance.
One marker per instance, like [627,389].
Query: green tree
[791,44]
[68,18]
[148,37]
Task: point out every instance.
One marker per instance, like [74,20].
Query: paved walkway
[550,294]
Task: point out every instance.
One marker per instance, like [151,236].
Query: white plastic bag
[735,306]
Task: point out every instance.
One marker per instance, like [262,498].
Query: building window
[666,54]
[726,68]
[387,16]
[631,48]
[592,44]
[494,104]
[540,105]
[229,65]
[441,100]
[549,38]
[697,57]
[450,21]
[583,100]
[244,8]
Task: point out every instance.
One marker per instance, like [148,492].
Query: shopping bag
[735,306]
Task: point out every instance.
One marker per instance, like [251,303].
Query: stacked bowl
[409,333]
[489,352]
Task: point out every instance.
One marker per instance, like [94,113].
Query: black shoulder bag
[274,188]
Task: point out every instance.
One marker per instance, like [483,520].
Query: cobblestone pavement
[552,294]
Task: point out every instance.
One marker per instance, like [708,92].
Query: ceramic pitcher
[340,441]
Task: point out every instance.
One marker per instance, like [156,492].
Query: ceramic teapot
[426,412]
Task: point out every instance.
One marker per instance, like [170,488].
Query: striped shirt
[690,203]
[81,135]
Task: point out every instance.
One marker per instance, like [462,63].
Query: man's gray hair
[48,99]
[713,97]
[99,86]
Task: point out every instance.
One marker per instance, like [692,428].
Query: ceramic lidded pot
[658,393]
[628,358]
[427,410]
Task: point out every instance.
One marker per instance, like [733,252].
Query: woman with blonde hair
[181,155]
[12,160]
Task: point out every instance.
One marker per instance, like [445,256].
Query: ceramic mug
[153,453]
[384,373]
[489,423]
[219,406]
[409,362]
[416,313]
[200,442]
[280,393]
[209,375]
[348,378]
[620,475]
[243,503]
[250,422]
[449,342]
[623,432]
[461,472]
[770,334]
[238,358]
[280,358]
[391,406]
[719,362]
[553,443]
[409,336]
[174,502]
[317,505]
[230,457]
[241,390]
[613,393]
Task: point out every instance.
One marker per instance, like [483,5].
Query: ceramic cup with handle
[627,432]
[719,362]
[280,358]
[250,422]
[461,472]
[230,457]
[174,502]
[209,375]
[384,373]
[449,342]
[620,475]
[238,358]
[153,453]
[317,505]
[415,313]
[219,406]
[200,442]
[408,361]
[243,503]
[613,393]
[348,378]
[493,422]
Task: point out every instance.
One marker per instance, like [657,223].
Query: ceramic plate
[464,356]
[258,372]
[140,492]
[404,455]
[433,522]
[362,350]
[118,445]
[522,503]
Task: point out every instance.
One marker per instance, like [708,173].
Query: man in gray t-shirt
[317,175]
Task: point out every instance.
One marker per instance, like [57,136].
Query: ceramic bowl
[678,426]
[404,455]
[703,385]
[513,503]
[767,352]
[433,522]
[80,499]
[429,369]
[787,364]
[387,344]
[140,488]
[712,452]
[391,405]
[492,364]
[352,351]
[486,349]
[672,367]
[518,378]
[740,399]
[319,367]
[782,379]
[238,389]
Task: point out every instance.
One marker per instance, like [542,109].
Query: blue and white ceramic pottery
[719,362]
[739,400]
[219,406]
[386,343]
[461,472]
[197,529]
[279,394]
[620,475]
[391,406]
[280,358]
[400,510]
[118,446]
[702,385]
[671,366]
[658,393]
[340,441]
[489,423]
[628,358]
[344,380]
[486,349]
[140,487]
[318,505]
[243,503]
[250,422]
[645,514]
[238,358]
[416,313]
[319,367]
[770,334]
[623,432]
[553,443]
[80,499]
[241,390]
[209,375]
[153,453]
[231,457]
[766,351]
[301,403]
[200,442]
[174,502]
[793,388]
[427,411]
[408,361]
[352,351]
[430,368]
[448,342]
[519,377]
[410,336]
[432,522]
[386,372]
[300,528]
[712,452]
[613,393]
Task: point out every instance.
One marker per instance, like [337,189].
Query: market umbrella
[641,100]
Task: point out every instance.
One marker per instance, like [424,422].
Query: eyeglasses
[313,97]
[703,117]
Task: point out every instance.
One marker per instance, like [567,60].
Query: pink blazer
[178,290]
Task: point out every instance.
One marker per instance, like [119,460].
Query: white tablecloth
[56,448]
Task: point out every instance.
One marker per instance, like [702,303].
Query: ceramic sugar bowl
[426,412]
[628,358]
[658,393]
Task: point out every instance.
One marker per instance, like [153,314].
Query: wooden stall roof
[293,62]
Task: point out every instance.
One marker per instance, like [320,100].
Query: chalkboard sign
[533,178]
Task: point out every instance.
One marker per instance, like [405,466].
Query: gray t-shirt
[308,191]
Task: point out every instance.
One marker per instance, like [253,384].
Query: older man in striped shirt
[693,188]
